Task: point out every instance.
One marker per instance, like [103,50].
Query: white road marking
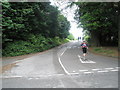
[68,47]
[89,61]
[102,71]
[63,52]
[95,69]
[73,73]
[36,78]
[30,78]
[11,76]
[117,67]
[18,61]
[83,70]
[87,72]
[49,75]
[114,70]
[109,68]
[59,74]
[63,66]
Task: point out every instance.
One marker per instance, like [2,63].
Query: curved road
[63,67]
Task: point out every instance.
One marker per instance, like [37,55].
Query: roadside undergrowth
[106,51]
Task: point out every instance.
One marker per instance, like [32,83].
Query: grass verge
[106,51]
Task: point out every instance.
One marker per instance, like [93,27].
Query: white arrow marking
[82,61]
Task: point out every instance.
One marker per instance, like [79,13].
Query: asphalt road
[63,67]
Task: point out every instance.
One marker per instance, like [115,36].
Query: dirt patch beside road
[6,67]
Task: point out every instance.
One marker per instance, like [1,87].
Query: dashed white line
[63,52]
[109,68]
[102,71]
[73,73]
[83,70]
[68,47]
[60,74]
[95,69]
[87,72]
[114,70]
[117,67]
[49,75]
[11,76]
[30,78]
[36,78]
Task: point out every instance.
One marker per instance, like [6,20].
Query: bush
[17,48]
[34,43]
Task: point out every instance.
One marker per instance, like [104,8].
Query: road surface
[62,67]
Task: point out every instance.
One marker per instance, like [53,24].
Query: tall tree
[101,20]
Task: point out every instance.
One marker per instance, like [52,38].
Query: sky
[69,13]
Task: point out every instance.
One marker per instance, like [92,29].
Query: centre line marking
[63,66]
[63,52]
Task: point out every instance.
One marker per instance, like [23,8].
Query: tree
[100,19]
[21,19]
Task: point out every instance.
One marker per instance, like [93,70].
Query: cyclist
[84,46]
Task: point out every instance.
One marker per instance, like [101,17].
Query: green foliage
[70,37]
[100,19]
[30,27]
[21,18]
[87,38]
[17,48]
[35,43]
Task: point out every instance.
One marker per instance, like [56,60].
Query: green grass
[102,50]
[107,51]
